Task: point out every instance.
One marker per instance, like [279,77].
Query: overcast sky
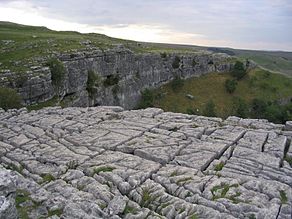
[253,24]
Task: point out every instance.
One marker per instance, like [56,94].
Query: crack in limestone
[264,143]
[234,143]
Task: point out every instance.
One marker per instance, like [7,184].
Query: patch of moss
[103,169]
[194,216]
[174,173]
[57,212]
[15,168]
[289,159]
[23,196]
[223,190]
[219,166]
[47,178]
[283,197]
[184,180]
[147,198]
[129,210]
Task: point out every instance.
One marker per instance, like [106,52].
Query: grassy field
[257,84]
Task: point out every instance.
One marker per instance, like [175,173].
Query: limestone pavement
[104,162]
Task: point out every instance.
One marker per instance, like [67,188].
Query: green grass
[129,210]
[257,84]
[52,102]
[219,166]
[289,159]
[183,180]
[47,178]
[103,169]
[23,196]
[221,191]
[57,212]
[283,197]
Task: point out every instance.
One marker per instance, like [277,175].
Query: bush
[177,83]
[275,113]
[175,63]
[240,108]
[209,109]
[93,80]
[111,80]
[147,99]
[163,55]
[230,85]
[190,111]
[9,98]
[238,70]
[194,63]
[258,108]
[57,71]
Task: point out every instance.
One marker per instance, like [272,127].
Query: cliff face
[122,75]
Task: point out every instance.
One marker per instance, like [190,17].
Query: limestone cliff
[126,72]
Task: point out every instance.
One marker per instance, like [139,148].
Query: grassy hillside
[258,84]
[22,46]
[276,61]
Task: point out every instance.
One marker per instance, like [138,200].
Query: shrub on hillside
[147,99]
[240,107]
[57,71]
[230,85]
[258,108]
[9,98]
[177,83]
[238,70]
[209,109]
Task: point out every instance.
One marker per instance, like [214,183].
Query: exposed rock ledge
[129,74]
[105,162]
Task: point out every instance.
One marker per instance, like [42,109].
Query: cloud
[258,24]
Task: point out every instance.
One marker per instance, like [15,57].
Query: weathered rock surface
[104,162]
[122,75]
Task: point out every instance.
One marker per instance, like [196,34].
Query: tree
[209,109]
[238,70]
[9,98]
[230,85]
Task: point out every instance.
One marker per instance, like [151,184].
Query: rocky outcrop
[7,194]
[122,75]
[105,162]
